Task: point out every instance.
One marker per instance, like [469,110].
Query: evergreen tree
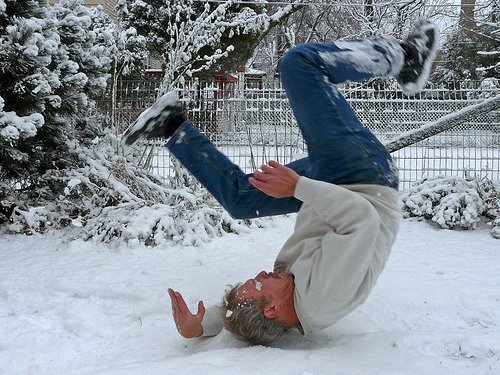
[51,62]
[28,45]
[84,48]
[472,51]
[461,60]
[490,23]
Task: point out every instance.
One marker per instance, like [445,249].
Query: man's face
[265,286]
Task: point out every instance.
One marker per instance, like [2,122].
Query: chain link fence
[254,125]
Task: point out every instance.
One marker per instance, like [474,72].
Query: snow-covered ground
[81,308]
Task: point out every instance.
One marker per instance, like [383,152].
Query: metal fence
[253,125]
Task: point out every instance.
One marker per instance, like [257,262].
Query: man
[345,191]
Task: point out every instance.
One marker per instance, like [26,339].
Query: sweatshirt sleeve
[212,322]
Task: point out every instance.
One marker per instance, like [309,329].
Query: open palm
[188,324]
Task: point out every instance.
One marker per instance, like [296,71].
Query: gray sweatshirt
[343,236]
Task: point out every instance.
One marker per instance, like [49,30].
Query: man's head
[261,309]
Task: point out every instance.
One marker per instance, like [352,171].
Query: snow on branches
[14,127]
[191,36]
[103,198]
[57,167]
[454,202]
[54,61]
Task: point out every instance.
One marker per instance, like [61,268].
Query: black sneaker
[160,120]
[420,49]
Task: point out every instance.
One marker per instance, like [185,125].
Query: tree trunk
[369,11]
[444,123]
[467,14]
[495,13]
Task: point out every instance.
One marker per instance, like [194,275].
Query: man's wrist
[200,331]
[296,187]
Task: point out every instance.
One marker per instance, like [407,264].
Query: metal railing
[253,125]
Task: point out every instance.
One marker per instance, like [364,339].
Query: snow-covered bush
[104,198]
[495,227]
[490,193]
[453,202]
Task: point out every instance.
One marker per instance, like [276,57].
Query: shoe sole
[148,120]
[412,88]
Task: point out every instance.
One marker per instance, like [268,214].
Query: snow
[72,307]
[363,58]
[16,127]
[191,38]
[258,285]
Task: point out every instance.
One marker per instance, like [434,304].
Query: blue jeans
[340,149]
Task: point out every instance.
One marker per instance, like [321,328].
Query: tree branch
[444,123]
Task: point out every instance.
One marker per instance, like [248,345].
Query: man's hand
[188,325]
[275,180]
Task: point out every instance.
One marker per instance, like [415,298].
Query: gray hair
[246,320]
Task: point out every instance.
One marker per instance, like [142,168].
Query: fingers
[268,172]
[270,168]
[181,303]
[276,180]
[175,304]
[201,310]
[261,176]
[267,168]
[259,184]
[179,306]
[173,298]
[274,164]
